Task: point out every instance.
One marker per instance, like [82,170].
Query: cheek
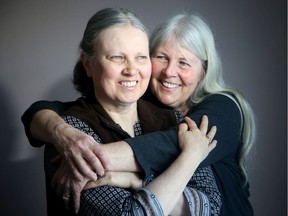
[110,72]
[190,82]
[157,68]
[188,79]
[147,71]
[192,78]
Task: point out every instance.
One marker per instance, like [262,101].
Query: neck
[183,110]
[126,116]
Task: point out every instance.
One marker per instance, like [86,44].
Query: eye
[141,58]
[117,58]
[161,58]
[184,64]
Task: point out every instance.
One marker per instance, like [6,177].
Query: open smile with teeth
[169,85]
[128,84]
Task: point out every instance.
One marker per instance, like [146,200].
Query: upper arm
[224,113]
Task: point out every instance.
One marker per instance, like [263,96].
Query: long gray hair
[195,35]
[100,21]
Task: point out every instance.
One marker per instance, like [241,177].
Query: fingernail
[94,177]
[101,173]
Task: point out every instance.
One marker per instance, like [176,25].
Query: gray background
[39,46]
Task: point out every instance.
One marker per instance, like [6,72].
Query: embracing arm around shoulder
[44,125]
[221,110]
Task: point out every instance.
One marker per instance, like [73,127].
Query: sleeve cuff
[199,203]
[149,203]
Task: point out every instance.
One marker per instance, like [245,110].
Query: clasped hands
[82,164]
[69,188]
[83,161]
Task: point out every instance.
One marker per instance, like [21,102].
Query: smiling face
[121,67]
[176,73]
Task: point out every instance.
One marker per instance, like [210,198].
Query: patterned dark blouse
[201,192]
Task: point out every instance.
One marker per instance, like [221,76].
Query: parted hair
[194,34]
[100,21]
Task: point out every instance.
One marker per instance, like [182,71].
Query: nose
[130,68]
[170,70]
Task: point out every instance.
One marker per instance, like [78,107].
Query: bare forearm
[44,124]
[122,157]
[49,127]
[174,180]
[181,208]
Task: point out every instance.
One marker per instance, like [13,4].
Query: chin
[166,102]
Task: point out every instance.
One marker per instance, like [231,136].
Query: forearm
[174,180]
[45,125]
[181,207]
[121,156]
[26,118]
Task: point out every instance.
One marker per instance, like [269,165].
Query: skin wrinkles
[176,73]
[121,70]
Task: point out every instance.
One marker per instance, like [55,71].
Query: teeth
[129,84]
[170,85]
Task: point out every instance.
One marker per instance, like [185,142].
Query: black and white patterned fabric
[202,194]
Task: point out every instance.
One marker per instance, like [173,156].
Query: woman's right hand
[83,154]
[196,141]
[67,187]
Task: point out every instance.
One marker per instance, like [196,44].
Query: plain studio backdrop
[39,47]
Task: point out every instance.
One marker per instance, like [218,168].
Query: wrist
[136,184]
[57,130]
[191,157]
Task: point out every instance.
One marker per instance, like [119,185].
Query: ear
[87,63]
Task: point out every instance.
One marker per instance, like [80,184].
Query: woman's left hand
[199,142]
[117,179]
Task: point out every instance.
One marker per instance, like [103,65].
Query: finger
[62,189]
[94,158]
[74,170]
[212,145]
[77,175]
[66,201]
[210,135]
[65,195]
[204,124]
[81,168]
[99,169]
[55,186]
[191,124]
[105,162]
[76,199]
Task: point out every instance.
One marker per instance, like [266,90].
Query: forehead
[119,36]
[174,48]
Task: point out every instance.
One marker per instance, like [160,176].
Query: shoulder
[221,99]
[222,110]
[219,103]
